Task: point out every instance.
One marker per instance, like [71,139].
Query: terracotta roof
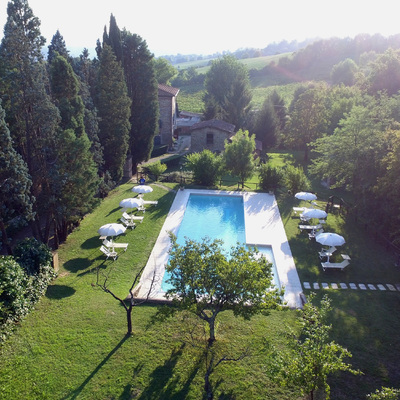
[214,123]
[164,90]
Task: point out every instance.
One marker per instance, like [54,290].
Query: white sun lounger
[342,265]
[327,252]
[128,224]
[132,217]
[153,202]
[113,245]
[108,253]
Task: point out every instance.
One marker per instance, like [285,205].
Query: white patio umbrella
[314,213]
[305,196]
[131,202]
[112,229]
[330,239]
[142,189]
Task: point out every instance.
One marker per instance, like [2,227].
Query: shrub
[295,179]
[206,166]
[23,281]
[13,286]
[270,177]
[32,255]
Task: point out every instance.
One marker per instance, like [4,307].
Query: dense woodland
[67,125]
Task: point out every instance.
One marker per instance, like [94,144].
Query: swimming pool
[217,217]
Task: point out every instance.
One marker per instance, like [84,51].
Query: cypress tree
[113,104]
[143,90]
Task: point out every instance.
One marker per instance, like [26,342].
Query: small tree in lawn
[128,304]
[207,281]
[156,168]
[206,166]
[312,357]
[239,155]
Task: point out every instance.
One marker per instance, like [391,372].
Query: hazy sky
[208,26]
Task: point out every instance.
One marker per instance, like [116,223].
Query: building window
[210,138]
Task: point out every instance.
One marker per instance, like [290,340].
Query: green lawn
[73,346]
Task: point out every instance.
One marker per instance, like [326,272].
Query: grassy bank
[73,346]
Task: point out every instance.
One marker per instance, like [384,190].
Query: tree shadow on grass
[91,243]
[59,292]
[75,394]
[78,264]
[163,384]
[114,210]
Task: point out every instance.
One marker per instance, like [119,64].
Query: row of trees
[68,125]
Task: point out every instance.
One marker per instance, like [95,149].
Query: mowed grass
[73,346]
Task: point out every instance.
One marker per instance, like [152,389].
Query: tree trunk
[211,324]
[4,238]
[208,387]
[129,320]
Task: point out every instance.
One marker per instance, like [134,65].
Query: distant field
[190,97]
[202,66]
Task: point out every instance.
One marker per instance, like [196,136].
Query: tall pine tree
[75,179]
[31,116]
[15,183]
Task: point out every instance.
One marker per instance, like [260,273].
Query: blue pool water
[218,217]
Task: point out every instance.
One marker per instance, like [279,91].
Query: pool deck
[263,225]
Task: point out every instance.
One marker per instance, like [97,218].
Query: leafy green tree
[270,177]
[207,167]
[156,169]
[386,191]
[308,120]
[345,72]
[206,281]
[351,155]
[15,183]
[239,155]
[385,73]
[57,45]
[164,70]
[295,179]
[228,93]
[340,101]
[113,104]
[385,394]
[312,357]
